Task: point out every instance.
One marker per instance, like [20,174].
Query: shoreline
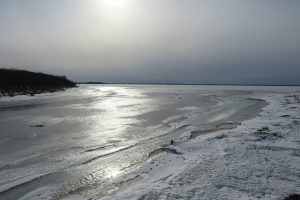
[187,84]
[33,93]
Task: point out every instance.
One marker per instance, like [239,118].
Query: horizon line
[216,84]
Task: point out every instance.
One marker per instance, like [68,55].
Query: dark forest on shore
[21,82]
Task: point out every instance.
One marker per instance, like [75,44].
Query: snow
[260,159]
[255,159]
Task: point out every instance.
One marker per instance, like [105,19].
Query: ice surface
[230,164]
[18,182]
[150,142]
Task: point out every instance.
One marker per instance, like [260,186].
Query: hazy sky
[183,41]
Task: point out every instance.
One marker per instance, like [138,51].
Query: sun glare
[115,3]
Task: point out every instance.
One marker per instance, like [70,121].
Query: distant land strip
[21,82]
[90,82]
[204,84]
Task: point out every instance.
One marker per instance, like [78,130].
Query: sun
[115,3]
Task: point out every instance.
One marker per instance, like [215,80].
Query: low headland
[21,82]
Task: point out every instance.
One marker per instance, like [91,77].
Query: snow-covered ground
[151,142]
[260,159]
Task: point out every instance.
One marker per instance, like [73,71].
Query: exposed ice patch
[12,184]
[42,193]
[188,108]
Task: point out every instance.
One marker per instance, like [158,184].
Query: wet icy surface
[90,141]
[257,160]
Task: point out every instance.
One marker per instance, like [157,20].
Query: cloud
[192,41]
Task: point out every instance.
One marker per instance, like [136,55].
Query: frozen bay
[78,142]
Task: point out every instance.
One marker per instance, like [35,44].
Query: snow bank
[260,159]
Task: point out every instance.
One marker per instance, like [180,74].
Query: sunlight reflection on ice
[116,109]
[113,172]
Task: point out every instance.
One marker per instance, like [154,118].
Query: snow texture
[260,159]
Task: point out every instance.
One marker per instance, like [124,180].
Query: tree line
[16,82]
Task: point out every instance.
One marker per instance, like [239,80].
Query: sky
[154,41]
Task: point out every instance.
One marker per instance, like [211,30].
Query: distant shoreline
[91,83]
[103,83]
